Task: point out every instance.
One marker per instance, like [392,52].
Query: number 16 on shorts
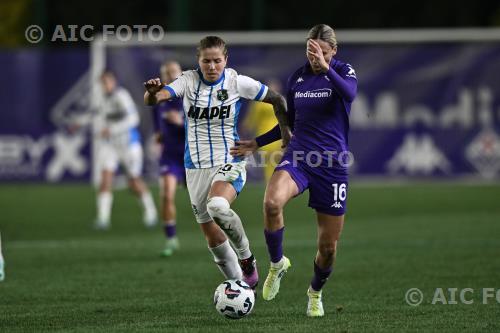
[339,194]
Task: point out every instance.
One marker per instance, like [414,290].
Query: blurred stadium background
[424,207]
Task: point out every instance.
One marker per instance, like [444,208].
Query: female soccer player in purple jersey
[168,120]
[319,97]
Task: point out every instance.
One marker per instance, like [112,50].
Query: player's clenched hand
[153,85]
[244,148]
[286,136]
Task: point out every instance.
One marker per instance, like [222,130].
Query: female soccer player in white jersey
[120,143]
[211,98]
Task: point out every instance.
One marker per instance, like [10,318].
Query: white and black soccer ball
[234,299]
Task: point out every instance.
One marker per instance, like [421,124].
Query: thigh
[107,158]
[132,160]
[168,186]
[228,180]
[198,183]
[281,188]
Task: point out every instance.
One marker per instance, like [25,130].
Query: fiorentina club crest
[222,95]
[484,153]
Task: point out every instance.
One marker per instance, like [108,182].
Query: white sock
[220,211]
[104,203]
[226,260]
[149,207]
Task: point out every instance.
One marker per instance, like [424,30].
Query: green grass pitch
[63,276]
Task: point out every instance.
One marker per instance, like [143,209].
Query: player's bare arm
[279,105]
[155,92]
[244,148]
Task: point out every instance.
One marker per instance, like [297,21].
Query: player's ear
[334,51]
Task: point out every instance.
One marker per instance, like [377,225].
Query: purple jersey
[172,134]
[318,110]
[172,155]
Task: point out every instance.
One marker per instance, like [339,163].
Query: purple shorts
[327,186]
[173,164]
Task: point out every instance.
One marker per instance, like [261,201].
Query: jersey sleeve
[178,87]
[251,89]
[344,81]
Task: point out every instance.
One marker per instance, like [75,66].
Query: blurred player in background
[2,262]
[319,97]
[169,128]
[260,119]
[211,96]
[120,144]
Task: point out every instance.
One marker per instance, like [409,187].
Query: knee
[272,207]
[167,197]
[217,205]
[328,249]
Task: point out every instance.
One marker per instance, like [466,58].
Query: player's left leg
[108,163]
[2,263]
[132,161]
[228,182]
[329,230]
[168,188]
[141,190]
[104,200]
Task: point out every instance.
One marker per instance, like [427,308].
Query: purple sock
[169,230]
[274,240]
[320,277]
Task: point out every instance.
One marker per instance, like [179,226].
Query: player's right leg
[198,183]
[104,201]
[108,163]
[280,189]
[168,186]
[227,182]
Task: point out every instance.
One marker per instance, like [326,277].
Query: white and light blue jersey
[212,110]
[119,114]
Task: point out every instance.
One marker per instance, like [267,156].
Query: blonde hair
[323,32]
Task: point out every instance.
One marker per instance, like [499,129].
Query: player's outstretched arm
[279,105]
[155,92]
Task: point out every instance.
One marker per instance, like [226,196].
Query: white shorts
[129,157]
[199,182]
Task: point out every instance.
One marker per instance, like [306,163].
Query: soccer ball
[234,299]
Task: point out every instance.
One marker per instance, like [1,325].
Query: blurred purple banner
[421,110]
